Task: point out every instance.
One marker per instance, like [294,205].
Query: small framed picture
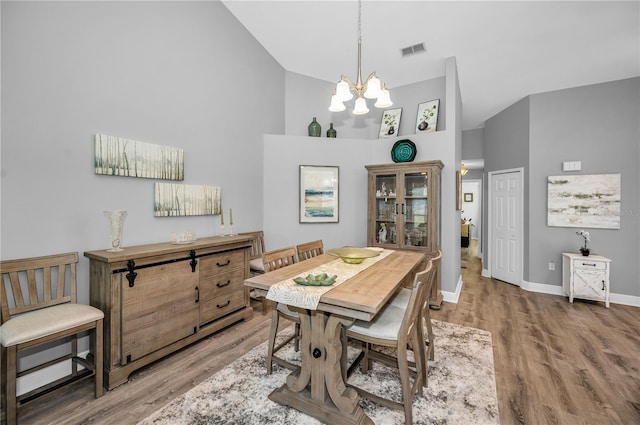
[468,197]
[390,123]
[427,119]
[319,194]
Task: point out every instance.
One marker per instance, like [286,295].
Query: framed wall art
[590,200]
[319,194]
[468,197]
[427,119]
[173,200]
[390,123]
[116,156]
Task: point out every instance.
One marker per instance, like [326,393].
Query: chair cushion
[401,299]
[256,265]
[385,325]
[38,323]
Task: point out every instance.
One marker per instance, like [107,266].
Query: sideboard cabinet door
[159,309]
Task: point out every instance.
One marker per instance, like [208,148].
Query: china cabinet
[586,277]
[161,297]
[404,209]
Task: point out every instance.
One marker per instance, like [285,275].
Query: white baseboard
[544,288]
[452,297]
[42,377]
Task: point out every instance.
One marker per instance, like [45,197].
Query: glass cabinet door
[386,208]
[415,208]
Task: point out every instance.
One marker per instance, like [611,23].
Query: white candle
[221,216]
[230,216]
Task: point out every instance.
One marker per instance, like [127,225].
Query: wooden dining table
[318,388]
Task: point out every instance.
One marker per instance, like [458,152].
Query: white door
[505,215]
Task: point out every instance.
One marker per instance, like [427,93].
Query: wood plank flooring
[556,362]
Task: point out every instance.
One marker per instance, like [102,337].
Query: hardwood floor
[556,362]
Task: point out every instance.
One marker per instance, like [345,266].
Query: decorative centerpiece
[322,279]
[587,237]
[353,255]
[183,238]
[115,220]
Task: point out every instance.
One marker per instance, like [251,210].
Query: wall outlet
[552,265]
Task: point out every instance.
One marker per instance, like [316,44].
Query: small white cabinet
[586,277]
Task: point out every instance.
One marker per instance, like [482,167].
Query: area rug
[461,388]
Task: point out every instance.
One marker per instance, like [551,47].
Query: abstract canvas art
[591,200]
[318,194]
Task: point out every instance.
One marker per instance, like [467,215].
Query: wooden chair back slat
[310,250]
[257,243]
[17,274]
[279,258]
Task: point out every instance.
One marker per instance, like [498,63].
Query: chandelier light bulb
[373,88]
[343,92]
[360,106]
[384,100]
[336,104]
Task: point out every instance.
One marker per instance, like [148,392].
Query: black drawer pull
[222,285]
[225,264]
[197,295]
[603,285]
[224,305]
[589,264]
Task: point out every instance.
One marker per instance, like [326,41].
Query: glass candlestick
[231,230]
[222,230]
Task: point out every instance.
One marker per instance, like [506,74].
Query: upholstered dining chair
[273,260]
[402,298]
[38,306]
[398,328]
[309,249]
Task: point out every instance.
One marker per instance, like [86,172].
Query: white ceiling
[505,50]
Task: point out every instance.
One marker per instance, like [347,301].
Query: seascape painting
[591,201]
[318,194]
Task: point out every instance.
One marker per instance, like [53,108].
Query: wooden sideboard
[161,297]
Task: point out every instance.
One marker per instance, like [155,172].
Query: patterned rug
[461,388]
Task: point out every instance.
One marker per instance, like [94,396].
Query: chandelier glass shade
[371,88]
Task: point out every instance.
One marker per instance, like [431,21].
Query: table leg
[319,389]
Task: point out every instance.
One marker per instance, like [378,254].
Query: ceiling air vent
[412,50]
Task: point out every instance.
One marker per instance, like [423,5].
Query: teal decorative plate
[403,151]
[322,279]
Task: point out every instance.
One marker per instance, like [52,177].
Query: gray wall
[596,124]
[149,71]
[473,144]
[506,146]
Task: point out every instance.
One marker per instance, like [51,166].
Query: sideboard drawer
[212,265]
[224,283]
[219,306]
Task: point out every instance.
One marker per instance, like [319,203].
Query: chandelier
[371,88]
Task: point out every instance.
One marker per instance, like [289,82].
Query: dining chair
[398,328]
[402,298]
[38,306]
[256,266]
[309,250]
[274,260]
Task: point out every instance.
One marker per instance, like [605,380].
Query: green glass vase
[314,128]
[332,131]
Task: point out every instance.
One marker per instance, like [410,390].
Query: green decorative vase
[332,131]
[314,128]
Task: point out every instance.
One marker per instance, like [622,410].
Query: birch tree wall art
[173,200]
[116,156]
